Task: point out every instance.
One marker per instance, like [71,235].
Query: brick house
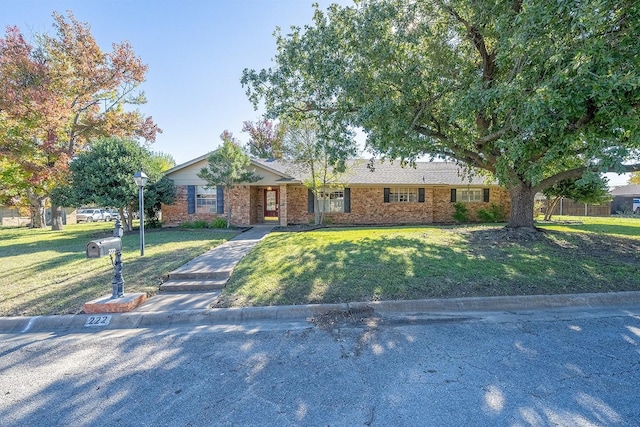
[390,194]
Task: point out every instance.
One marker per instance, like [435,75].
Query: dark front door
[270,203]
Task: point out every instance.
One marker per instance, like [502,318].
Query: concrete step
[193,285]
[201,275]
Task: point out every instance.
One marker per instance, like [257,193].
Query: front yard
[368,264]
[46,272]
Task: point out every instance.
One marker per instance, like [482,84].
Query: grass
[46,272]
[573,255]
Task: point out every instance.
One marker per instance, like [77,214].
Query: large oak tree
[58,97]
[532,92]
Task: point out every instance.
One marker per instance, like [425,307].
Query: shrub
[219,223]
[495,213]
[195,224]
[154,223]
[461,213]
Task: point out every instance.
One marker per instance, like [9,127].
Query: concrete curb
[137,320]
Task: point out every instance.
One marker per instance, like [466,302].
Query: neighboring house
[626,199]
[390,194]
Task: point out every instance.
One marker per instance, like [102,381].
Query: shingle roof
[627,190]
[383,173]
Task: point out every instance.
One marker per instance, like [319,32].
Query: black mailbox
[104,247]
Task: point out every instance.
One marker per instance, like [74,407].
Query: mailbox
[104,247]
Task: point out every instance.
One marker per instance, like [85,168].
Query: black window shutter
[219,199]
[191,199]
[421,195]
[485,195]
[310,201]
[387,191]
[453,195]
[347,200]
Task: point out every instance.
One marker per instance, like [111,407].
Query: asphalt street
[555,367]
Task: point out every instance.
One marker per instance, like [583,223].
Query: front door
[270,203]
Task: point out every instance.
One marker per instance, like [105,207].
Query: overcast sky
[196,51]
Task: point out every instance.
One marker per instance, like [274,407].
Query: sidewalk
[196,284]
[403,311]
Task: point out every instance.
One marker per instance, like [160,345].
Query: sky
[196,51]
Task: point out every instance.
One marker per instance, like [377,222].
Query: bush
[154,223]
[195,224]
[461,213]
[219,223]
[495,213]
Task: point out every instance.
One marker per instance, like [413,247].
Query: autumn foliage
[59,95]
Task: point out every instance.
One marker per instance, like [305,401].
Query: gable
[187,174]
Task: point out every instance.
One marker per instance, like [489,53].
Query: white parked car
[91,215]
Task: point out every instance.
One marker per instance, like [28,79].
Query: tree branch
[577,173]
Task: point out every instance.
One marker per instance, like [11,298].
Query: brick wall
[367,207]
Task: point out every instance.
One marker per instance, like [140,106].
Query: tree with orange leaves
[58,97]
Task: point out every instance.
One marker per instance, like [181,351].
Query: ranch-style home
[388,194]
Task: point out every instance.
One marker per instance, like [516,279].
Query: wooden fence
[572,208]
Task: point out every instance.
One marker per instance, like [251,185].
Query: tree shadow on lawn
[617,229]
[483,263]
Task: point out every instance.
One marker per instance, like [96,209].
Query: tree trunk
[56,218]
[551,205]
[521,215]
[37,208]
[317,218]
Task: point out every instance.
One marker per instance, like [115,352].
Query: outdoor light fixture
[140,178]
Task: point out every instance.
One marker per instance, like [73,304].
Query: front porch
[268,204]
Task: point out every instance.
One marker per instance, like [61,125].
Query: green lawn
[46,272]
[574,255]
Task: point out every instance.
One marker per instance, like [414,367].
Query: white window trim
[334,197]
[403,195]
[470,195]
[206,199]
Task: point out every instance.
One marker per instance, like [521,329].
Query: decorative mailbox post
[111,246]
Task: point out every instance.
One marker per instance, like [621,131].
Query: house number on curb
[98,320]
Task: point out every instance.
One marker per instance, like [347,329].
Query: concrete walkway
[196,284]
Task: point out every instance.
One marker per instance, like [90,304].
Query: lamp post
[140,179]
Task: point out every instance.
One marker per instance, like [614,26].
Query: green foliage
[591,189]
[201,224]
[155,194]
[103,176]
[480,82]
[495,213]
[461,213]
[321,161]
[228,166]
[219,223]
[196,225]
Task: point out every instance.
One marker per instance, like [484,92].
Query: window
[470,195]
[206,200]
[403,195]
[331,200]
